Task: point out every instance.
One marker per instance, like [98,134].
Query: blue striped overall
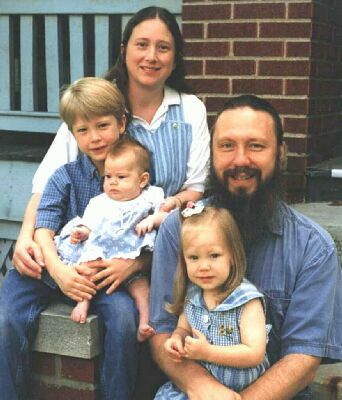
[169,148]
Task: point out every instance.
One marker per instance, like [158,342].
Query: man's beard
[252,212]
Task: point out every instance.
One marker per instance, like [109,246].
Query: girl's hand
[196,347]
[174,348]
[72,284]
[112,272]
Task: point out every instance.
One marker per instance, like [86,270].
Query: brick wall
[289,52]
[56,377]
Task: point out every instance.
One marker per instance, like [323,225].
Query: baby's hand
[144,226]
[79,234]
[174,348]
[197,347]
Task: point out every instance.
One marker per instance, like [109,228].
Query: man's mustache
[237,171]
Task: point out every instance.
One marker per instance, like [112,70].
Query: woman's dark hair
[118,71]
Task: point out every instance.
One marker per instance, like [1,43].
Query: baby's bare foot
[80,312]
[145,331]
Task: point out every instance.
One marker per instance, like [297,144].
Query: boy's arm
[67,278]
[251,351]
[28,258]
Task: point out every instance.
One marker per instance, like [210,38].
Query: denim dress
[221,327]
[169,148]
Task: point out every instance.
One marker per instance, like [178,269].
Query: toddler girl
[221,315]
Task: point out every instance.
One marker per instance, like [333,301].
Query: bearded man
[291,259]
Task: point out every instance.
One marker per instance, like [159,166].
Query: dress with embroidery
[221,327]
[112,224]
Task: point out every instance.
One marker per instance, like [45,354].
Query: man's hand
[196,347]
[28,258]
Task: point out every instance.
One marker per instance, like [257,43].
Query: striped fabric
[169,148]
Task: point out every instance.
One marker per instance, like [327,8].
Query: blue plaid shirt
[67,193]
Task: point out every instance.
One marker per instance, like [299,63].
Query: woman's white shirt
[64,147]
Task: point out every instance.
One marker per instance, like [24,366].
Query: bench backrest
[45,44]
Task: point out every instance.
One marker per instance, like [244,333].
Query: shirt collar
[242,294]
[171,97]
[88,166]
[276,224]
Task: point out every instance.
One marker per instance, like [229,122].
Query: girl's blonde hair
[89,97]
[218,218]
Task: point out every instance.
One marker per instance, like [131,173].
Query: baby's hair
[221,219]
[89,97]
[127,144]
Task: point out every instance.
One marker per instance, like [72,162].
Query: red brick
[290,106]
[257,86]
[284,68]
[207,49]
[255,10]
[258,49]
[43,391]
[206,12]
[230,67]
[232,30]
[194,67]
[296,125]
[214,104]
[301,10]
[219,86]
[43,363]
[285,29]
[79,369]
[298,49]
[193,31]
[297,86]
[296,145]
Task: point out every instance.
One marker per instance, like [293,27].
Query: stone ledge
[58,334]
[328,215]
[328,382]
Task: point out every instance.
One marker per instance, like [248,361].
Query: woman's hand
[170,203]
[28,258]
[72,284]
[112,272]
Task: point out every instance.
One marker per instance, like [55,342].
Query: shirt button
[205,318]
[175,125]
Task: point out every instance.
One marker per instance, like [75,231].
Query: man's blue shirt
[67,193]
[295,265]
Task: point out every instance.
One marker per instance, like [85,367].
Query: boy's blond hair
[89,97]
